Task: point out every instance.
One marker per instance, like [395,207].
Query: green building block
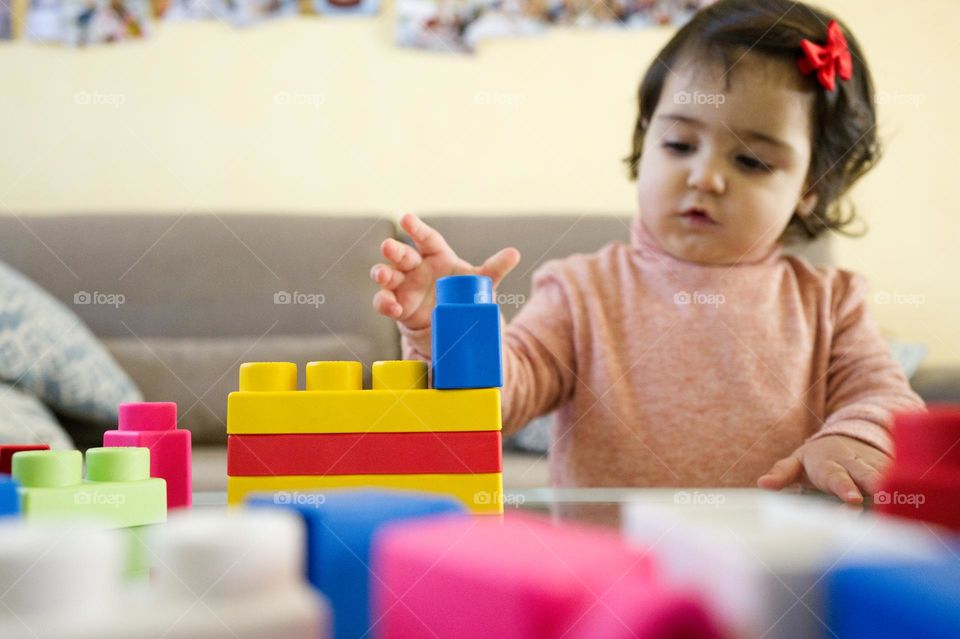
[118,489]
[137,562]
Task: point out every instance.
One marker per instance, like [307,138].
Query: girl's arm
[865,386]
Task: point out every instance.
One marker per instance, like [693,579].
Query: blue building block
[9,499]
[340,526]
[895,602]
[465,338]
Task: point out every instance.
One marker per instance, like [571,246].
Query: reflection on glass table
[603,506]
[588,505]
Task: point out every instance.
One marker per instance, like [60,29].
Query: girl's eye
[753,164]
[678,147]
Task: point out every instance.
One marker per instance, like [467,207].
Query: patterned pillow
[48,352]
[25,420]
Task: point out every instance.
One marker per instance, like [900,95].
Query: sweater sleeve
[865,386]
[538,354]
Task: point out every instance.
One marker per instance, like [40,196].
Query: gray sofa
[204,293]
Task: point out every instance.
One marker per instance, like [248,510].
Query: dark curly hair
[844,144]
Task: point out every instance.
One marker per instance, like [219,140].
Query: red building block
[521,578]
[364,453]
[924,480]
[7,451]
[153,425]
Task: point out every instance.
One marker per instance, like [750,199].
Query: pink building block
[521,578]
[153,425]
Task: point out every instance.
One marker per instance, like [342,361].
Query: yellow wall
[526,125]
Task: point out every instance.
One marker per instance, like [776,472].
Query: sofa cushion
[208,275]
[25,420]
[938,384]
[198,373]
[48,352]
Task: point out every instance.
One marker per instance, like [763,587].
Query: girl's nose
[706,176]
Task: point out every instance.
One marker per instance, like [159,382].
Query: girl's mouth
[698,217]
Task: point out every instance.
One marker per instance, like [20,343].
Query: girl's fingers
[386,276]
[403,257]
[498,265]
[428,240]
[385,303]
[837,480]
[785,472]
[864,475]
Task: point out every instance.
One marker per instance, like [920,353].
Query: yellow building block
[333,376]
[382,410]
[480,493]
[402,375]
[268,376]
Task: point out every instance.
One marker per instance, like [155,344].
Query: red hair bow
[828,60]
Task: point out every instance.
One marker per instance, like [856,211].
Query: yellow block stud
[268,376]
[399,375]
[330,376]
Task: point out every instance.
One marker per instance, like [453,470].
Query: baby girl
[699,354]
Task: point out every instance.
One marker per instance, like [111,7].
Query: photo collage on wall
[457,26]
[86,22]
[454,26]
[80,23]
[178,10]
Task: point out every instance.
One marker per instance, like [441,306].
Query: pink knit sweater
[671,373]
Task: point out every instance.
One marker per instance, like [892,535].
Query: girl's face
[724,168]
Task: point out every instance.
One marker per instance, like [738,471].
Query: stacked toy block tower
[523,577]
[117,488]
[758,559]
[398,434]
[153,425]
[340,536]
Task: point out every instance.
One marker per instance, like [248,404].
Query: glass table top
[601,506]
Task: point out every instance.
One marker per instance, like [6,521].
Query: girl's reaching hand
[407,292]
